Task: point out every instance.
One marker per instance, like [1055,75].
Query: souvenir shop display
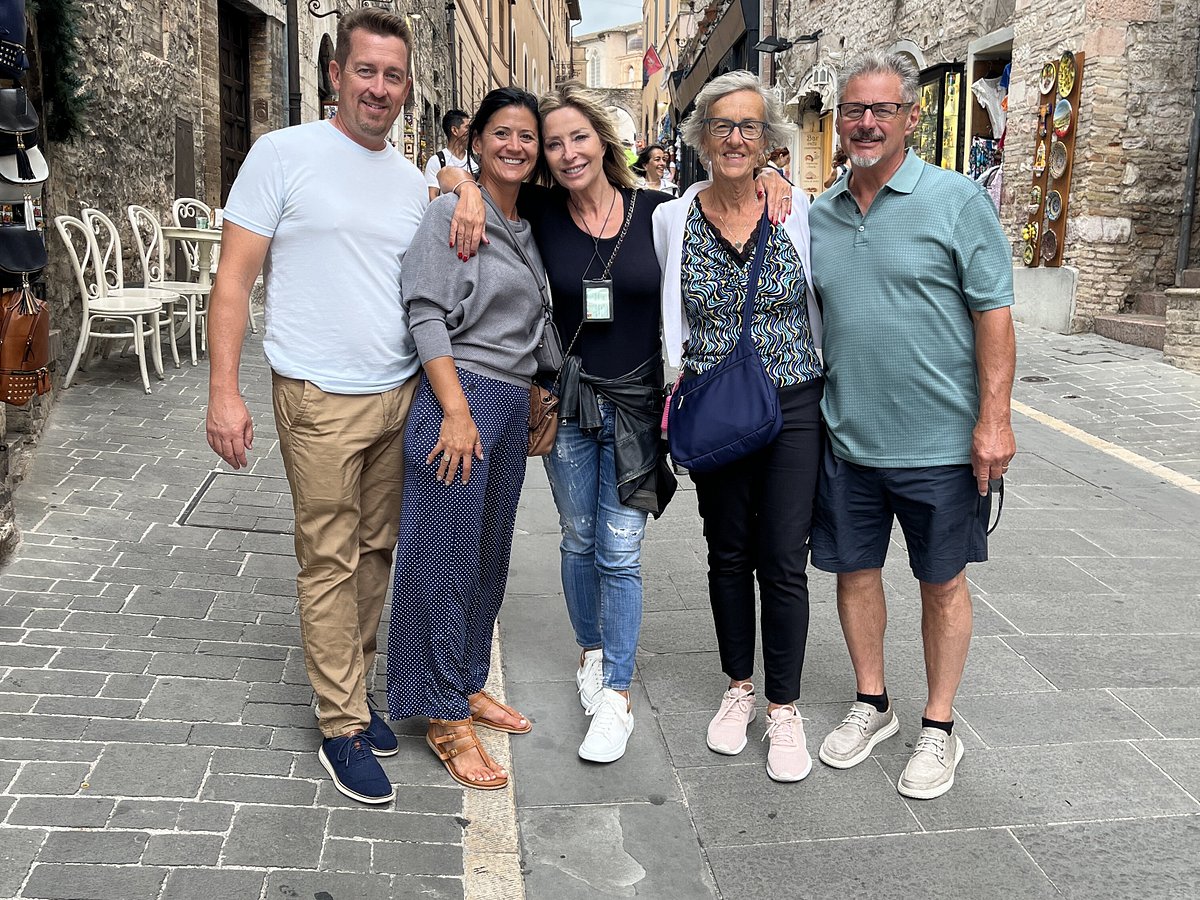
[1044,235]
[24,315]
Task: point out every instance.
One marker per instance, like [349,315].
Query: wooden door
[234,53]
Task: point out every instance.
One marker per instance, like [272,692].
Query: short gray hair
[876,62]
[779,130]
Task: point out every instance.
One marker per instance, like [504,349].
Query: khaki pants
[344,457]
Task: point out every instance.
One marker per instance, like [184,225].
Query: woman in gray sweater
[476,324]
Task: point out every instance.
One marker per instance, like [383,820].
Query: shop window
[938,138]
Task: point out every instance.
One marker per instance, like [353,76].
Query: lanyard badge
[598,300]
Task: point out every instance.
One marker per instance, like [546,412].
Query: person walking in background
[330,208]
[651,169]
[781,158]
[454,126]
[477,325]
[838,168]
[758,509]
[911,258]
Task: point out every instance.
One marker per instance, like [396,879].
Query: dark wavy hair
[495,101]
[644,157]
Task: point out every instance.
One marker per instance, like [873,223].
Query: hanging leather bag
[13,33]
[24,346]
[732,409]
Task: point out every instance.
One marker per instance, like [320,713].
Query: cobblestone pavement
[1078,707]
[157,741]
[156,732]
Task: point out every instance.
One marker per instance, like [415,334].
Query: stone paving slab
[157,740]
[1076,705]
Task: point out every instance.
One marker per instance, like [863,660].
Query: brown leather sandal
[458,738]
[483,701]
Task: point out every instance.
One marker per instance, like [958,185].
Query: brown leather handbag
[24,346]
[543,419]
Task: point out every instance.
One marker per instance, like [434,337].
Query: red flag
[650,64]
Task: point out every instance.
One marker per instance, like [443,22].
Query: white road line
[1127,456]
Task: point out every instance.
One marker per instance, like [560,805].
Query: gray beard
[864,162]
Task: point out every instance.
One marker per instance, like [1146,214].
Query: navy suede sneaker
[355,770]
[380,735]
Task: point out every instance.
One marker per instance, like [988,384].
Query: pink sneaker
[727,730]
[788,758]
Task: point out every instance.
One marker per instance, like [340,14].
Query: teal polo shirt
[898,286]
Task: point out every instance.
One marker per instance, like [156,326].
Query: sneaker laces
[935,743]
[604,713]
[858,718]
[782,731]
[353,749]
[735,701]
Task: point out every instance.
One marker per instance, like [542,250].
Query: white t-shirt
[340,218]
[434,165]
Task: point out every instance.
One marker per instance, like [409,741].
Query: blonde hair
[573,95]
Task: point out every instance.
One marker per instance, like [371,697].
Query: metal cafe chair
[147,232]
[108,313]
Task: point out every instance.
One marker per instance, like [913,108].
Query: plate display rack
[1060,84]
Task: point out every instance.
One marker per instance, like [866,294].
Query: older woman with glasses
[757,510]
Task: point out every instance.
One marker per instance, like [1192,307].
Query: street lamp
[315,5]
[774,44]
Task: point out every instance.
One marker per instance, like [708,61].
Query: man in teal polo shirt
[915,275]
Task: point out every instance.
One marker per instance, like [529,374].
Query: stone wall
[1135,111]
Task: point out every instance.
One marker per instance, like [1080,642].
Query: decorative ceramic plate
[1039,159]
[1035,198]
[1030,254]
[1066,74]
[1062,118]
[1053,206]
[1049,74]
[1049,245]
[1058,159]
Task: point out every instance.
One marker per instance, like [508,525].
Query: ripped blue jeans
[601,546]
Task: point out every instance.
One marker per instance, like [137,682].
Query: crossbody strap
[764,229]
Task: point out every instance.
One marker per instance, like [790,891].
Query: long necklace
[596,257]
[727,231]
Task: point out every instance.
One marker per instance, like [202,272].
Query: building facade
[181,89]
[1130,229]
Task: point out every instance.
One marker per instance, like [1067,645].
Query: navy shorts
[942,515]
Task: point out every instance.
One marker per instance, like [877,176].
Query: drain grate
[257,503]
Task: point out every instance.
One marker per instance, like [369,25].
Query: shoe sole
[353,795]
[383,754]
[606,757]
[771,774]
[741,746]
[881,735]
[932,793]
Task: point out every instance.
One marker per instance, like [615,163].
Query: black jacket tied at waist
[644,479]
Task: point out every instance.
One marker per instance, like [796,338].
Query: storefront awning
[730,30]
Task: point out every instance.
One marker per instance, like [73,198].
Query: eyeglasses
[751,129]
[881,111]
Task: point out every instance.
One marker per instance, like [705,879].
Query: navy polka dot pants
[453,551]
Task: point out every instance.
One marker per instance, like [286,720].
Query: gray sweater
[486,312]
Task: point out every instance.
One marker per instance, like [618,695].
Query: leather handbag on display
[24,345]
[732,409]
[18,131]
[22,250]
[13,34]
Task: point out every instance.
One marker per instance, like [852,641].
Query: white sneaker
[590,678]
[788,758]
[930,769]
[612,724]
[727,730]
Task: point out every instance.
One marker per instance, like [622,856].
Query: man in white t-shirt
[327,211]
[454,125]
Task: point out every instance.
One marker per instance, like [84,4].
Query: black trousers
[757,515]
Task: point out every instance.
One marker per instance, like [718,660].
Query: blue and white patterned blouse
[714,288]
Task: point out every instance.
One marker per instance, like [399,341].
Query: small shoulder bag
[731,410]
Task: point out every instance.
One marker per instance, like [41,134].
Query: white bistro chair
[183,213]
[129,315]
[147,232]
[111,265]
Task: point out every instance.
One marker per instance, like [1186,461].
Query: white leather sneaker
[612,724]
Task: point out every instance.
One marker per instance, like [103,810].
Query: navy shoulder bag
[731,410]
